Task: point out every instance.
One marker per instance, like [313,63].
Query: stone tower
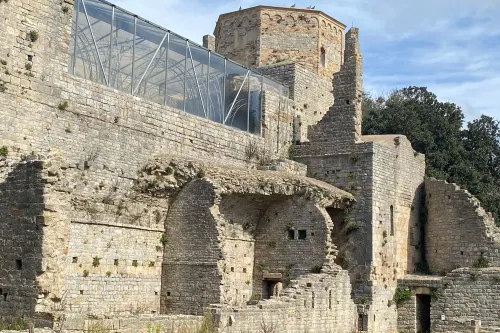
[264,35]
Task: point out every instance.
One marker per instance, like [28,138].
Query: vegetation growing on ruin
[163,239]
[33,36]
[63,106]
[351,226]
[4,151]
[401,295]
[16,324]
[466,154]
[482,262]
[316,269]
[435,294]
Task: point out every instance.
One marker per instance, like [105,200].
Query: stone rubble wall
[318,303]
[125,324]
[459,231]
[213,258]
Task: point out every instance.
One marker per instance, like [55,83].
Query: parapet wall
[459,232]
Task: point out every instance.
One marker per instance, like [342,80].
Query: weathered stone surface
[116,210]
[459,232]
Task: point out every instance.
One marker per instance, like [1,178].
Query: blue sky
[450,46]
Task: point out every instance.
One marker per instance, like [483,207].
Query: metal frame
[87,50]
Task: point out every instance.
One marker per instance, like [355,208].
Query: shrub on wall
[401,295]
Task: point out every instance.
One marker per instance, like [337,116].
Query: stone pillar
[209,42]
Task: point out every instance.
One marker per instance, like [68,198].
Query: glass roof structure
[118,49]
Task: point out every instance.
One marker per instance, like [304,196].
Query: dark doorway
[270,288]
[423,313]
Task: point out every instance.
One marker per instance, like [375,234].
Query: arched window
[323,57]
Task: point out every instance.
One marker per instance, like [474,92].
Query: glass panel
[99,15]
[215,109]
[150,62]
[176,71]
[87,63]
[196,80]
[165,71]
[122,51]
[236,106]
[270,85]
[255,103]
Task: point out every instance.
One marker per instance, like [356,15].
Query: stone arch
[323,23]
[266,17]
[329,26]
[190,275]
[278,18]
[290,18]
[315,20]
[245,21]
[226,22]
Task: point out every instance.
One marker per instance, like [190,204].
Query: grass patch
[482,262]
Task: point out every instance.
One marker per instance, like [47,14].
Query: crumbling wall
[242,213]
[209,257]
[21,229]
[311,94]
[459,232]
[317,303]
[291,239]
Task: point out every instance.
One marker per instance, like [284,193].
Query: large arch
[190,278]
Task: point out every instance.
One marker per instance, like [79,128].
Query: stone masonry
[122,215]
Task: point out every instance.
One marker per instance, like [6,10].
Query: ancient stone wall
[459,232]
[103,138]
[467,297]
[462,301]
[291,239]
[311,94]
[190,279]
[317,303]
[22,214]
[265,35]
[340,128]
[113,269]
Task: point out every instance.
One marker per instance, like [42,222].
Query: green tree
[469,157]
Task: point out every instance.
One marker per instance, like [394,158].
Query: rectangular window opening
[291,234]
[302,234]
[19,264]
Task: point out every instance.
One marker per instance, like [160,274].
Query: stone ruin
[148,183]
